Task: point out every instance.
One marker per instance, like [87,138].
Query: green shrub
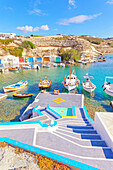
[17,51]
[96,42]
[28,44]
[6,41]
[68,54]
[4,48]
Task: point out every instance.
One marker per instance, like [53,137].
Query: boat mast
[70,67]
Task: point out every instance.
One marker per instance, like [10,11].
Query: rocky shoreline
[14,158]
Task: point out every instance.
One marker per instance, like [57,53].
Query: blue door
[30,60]
[39,59]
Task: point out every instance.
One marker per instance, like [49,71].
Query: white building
[7,35]
[9,61]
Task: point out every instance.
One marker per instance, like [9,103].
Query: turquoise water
[63,111]
[11,108]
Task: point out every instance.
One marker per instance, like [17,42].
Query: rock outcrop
[50,45]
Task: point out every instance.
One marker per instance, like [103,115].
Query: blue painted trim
[48,154]
[48,107]
[38,111]
[73,111]
[87,114]
[29,122]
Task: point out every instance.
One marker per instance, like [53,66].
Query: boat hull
[22,95]
[44,86]
[90,90]
[69,87]
[10,89]
[107,91]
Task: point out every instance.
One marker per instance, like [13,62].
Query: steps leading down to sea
[76,138]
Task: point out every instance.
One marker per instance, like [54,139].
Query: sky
[51,17]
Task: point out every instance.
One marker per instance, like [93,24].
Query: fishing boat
[14,87]
[108,87]
[45,65]
[21,95]
[36,66]
[12,68]
[44,84]
[54,64]
[62,65]
[84,62]
[26,67]
[87,84]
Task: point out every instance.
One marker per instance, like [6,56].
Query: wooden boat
[44,84]
[87,84]
[12,68]
[14,87]
[21,95]
[108,87]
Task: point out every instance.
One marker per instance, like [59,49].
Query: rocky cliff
[87,45]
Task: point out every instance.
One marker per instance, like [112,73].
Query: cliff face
[50,45]
[47,46]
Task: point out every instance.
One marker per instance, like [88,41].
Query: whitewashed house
[7,35]
[9,61]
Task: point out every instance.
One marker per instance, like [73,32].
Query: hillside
[89,46]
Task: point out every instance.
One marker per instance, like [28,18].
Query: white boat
[84,62]
[54,65]
[14,87]
[62,65]
[36,66]
[26,67]
[108,87]
[87,84]
[46,65]
[71,82]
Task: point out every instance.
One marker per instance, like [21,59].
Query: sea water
[11,108]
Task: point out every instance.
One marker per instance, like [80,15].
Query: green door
[57,60]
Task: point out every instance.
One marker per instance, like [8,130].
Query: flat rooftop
[60,100]
[107,120]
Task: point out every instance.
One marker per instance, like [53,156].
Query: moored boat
[26,67]
[14,87]
[21,95]
[45,65]
[13,68]
[87,84]
[108,87]
[36,66]
[44,84]
[71,82]
[54,64]
[62,65]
